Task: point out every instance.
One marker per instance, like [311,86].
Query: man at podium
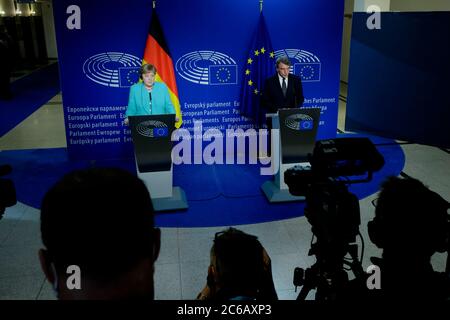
[149,97]
[282,90]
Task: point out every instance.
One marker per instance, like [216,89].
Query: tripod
[327,274]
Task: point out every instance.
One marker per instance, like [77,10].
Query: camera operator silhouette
[240,269]
[410,225]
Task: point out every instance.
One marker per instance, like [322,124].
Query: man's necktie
[284,87]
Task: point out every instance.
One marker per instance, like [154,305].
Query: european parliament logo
[207,68]
[300,122]
[305,64]
[152,129]
[113,69]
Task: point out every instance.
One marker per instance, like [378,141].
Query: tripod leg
[304,293]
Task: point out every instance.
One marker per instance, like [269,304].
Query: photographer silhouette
[411,224]
[240,269]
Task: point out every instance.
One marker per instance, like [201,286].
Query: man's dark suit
[273,98]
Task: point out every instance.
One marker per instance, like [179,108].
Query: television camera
[333,211]
[7,190]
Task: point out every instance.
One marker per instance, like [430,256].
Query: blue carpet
[218,195]
[29,94]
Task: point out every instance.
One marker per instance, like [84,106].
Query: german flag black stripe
[157,33]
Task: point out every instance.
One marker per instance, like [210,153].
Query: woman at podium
[149,97]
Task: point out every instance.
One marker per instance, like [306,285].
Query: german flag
[157,53]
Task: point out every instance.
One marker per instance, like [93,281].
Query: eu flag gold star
[263,50]
[272,54]
[256,91]
[250,83]
[247,72]
[249,61]
[256,53]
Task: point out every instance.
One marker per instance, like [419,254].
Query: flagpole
[154,4]
[261,5]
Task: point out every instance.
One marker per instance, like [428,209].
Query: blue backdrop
[399,77]
[209,43]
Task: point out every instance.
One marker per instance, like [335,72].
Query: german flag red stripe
[157,53]
[157,56]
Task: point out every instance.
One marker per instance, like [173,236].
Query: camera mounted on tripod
[332,210]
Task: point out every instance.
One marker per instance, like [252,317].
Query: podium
[152,149]
[293,137]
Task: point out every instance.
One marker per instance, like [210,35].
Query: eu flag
[308,72]
[222,74]
[128,76]
[260,65]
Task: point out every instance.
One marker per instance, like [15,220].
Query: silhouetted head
[100,221]
[237,265]
[410,218]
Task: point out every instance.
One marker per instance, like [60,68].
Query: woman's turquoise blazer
[139,100]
